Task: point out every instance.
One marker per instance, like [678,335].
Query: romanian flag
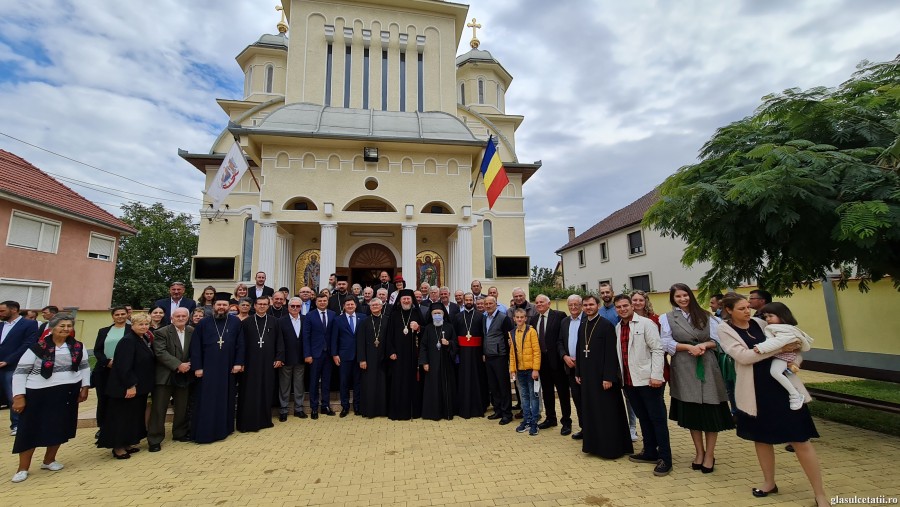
[493,173]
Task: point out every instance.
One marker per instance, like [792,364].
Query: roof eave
[577,242]
[127,230]
[239,130]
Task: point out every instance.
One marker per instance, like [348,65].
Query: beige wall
[76,279]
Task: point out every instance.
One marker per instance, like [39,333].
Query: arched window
[247,254]
[270,77]
[481,91]
[488,233]
[462,93]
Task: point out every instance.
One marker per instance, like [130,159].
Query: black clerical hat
[342,278]
[222,296]
[437,306]
[406,292]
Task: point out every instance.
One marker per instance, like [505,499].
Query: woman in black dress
[130,381]
[763,409]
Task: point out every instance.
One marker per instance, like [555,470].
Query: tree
[806,186]
[158,254]
[541,277]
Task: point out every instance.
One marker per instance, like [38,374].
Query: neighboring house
[619,251]
[58,248]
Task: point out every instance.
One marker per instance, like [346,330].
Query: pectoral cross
[220,342]
[586,351]
[260,341]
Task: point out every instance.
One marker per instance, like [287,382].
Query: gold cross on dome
[474,25]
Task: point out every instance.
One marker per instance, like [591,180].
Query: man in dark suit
[343,348]
[568,337]
[451,307]
[260,289]
[171,345]
[317,326]
[47,313]
[497,326]
[16,335]
[290,375]
[175,300]
[547,323]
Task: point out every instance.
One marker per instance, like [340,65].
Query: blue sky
[616,95]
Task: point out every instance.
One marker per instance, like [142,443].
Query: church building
[364,132]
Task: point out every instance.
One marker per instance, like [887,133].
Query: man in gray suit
[171,345]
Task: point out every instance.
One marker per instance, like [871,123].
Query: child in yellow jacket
[524,365]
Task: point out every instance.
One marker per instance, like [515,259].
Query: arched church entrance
[368,261]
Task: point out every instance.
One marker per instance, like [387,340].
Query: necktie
[541,334]
[352,324]
[324,322]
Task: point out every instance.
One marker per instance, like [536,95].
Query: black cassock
[405,391]
[262,346]
[472,390]
[370,348]
[603,419]
[439,398]
[212,416]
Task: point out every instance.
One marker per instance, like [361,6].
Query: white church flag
[229,174]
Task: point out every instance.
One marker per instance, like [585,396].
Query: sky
[616,95]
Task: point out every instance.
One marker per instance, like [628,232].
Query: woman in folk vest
[699,398]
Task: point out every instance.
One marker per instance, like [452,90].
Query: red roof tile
[21,179]
[625,217]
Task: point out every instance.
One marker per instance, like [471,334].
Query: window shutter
[49,234]
[101,248]
[38,297]
[24,232]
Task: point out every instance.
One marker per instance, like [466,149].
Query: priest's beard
[219,315]
[406,307]
[469,307]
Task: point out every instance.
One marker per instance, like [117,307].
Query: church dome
[476,55]
[275,41]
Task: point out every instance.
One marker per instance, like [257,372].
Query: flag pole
[249,169]
[475,183]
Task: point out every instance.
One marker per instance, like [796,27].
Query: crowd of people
[223,362]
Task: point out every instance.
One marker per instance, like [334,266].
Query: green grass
[860,417]
[873,389]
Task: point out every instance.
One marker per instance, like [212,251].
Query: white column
[267,239]
[464,261]
[408,255]
[328,260]
[285,262]
[453,269]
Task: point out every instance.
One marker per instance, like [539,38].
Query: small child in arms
[782,330]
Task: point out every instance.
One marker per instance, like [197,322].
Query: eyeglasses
[295,306]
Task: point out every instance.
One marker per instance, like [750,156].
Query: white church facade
[364,132]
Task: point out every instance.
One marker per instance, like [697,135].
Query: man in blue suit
[16,335]
[175,300]
[343,346]
[317,326]
[291,374]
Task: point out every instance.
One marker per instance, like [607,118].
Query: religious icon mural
[307,270]
[429,268]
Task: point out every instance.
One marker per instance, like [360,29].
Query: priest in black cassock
[437,350]
[263,354]
[371,336]
[216,355]
[603,417]
[337,298]
[472,393]
[404,330]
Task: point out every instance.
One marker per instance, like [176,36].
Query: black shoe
[758,493]
[517,407]
[125,455]
[495,416]
[182,439]
[132,450]
[642,458]
[327,411]
[789,448]
[314,415]
[566,430]
[155,448]
[344,412]
[504,421]
[662,468]
[710,469]
[282,417]
[519,415]
[577,436]
[696,466]
[546,424]
[301,414]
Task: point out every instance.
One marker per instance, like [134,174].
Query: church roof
[628,216]
[25,182]
[476,56]
[279,40]
[311,120]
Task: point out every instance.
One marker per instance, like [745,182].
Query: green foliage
[806,186]
[541,276]
[158,254]
[553,292]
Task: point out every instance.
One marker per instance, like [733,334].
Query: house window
[583,287]
[488,249]
[641,282]
[635,243]
[247,257]
[581,262]
[604,254]
[101,247]
[270,78]
[28,293]
[33,232]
